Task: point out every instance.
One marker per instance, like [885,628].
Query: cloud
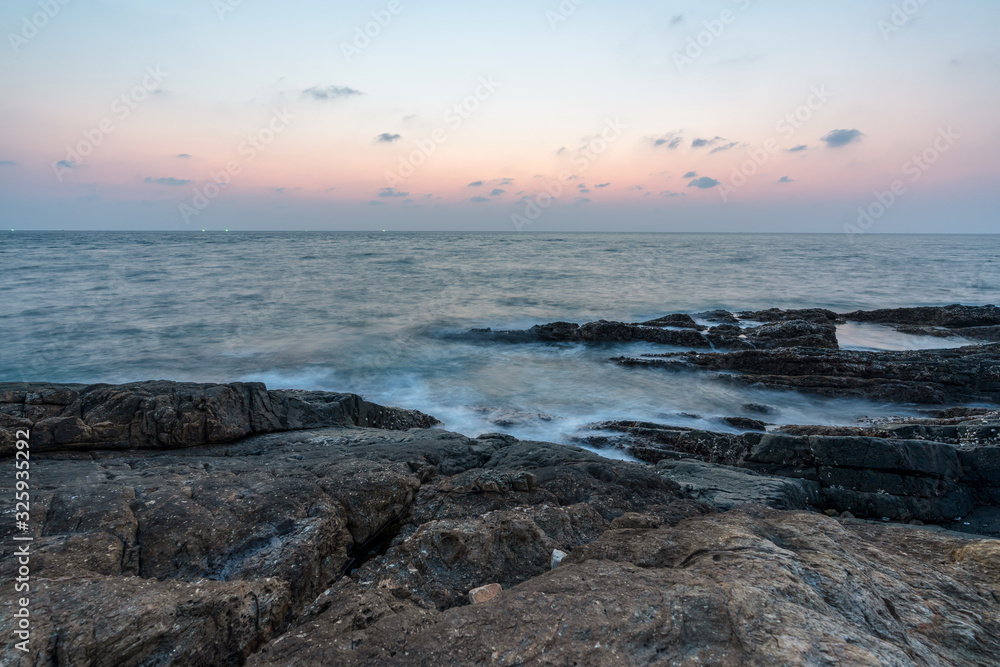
[480,200]
[506,181]
[581,201]
[725,147]
[66,164]
[677,18]
[386,138]
[786,179]
[602,185]
[184,156]
[561,151]
[798,149]
[671,140]
[280,191]
[392,192]
[584,190]
[376,203]
[497,192]
[838,138]
[702,143]
[330,92]
[167,180]
[703,183]
[670,193]
[475,184]
[7,163]
[691,174]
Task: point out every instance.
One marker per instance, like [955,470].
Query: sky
[856,116]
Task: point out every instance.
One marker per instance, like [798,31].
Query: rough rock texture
[682,332]
[170,415]
[954,316]
[966,374]
[749,587]
[725,488]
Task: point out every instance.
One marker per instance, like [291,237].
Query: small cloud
[703,183]
[581,201]
[7,163]
[561,151]
[475,184]
[169,180]
[671,140]
[702,143]
[497,192]
[786,179]
[66,164]
[280,191]
[386,138]
[670,193]
[184,156]
[506,181]
[407,119]
[725,147]
[838,138]
[602,185]
[584,190]
[376,203]
[798,149]
[480,200]
[691,174]
[638,187]
[676,18]
[330,92]
[392,192]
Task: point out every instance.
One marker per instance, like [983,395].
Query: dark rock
[745,423]
[817,315]
[725,487]
[919,376]
[675,320]
[722,316]
[941,316]
[175,415]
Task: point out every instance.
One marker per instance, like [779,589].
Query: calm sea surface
[371,313]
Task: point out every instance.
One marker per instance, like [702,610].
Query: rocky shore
[183,524]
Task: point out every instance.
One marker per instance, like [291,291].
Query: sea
[382,314]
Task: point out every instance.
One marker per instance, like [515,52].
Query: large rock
[725,487]
[967,374]
[751,587]
[955,316]
[174,415]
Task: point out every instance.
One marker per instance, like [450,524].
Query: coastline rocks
[725,488]
[752,586]
[968,374]
[815,315]
[175,415]
[955,316]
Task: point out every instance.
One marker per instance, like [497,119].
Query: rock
[725,487]
[919,376]
[759,408]
[954,316]
[635,521]
[652,443]
[831,513]
[752,586]
[676,320]
[819,315]
[847,515]
[722,316]
[793,333]
[484,593]
[176,415]
[745,423]
[557,558]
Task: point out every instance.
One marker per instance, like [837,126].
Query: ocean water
[375,314]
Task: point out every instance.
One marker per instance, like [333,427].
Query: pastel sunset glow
[721,115]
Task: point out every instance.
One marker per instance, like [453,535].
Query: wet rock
[817,315]
[176,415]
[675,320]
[920,376]
[953,316]
[652,443]
[725,487]
[721,316]
[745,423]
